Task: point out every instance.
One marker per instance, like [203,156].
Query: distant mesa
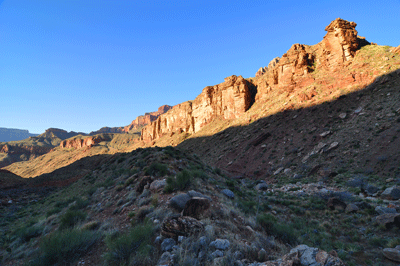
[13,134]
[60,133]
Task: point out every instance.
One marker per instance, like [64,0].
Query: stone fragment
[228,193]
[221,244]
[392,254]
[278,170]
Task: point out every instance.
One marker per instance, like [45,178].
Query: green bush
[65,247]
[79,204]
[284,232]
[180,182]
[157,169]
[26,233]
[53,211]
[247,206]
[124,249]
[71,218]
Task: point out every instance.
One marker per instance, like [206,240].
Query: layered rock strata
[229,100]
[295,69]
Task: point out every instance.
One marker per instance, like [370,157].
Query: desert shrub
[107,183]
[199,174]
[71,218]
[65,247]
[157,169]
[217,171]
[63,204]
[180,182]
[378,242]
[26,233]
[53,211]
[91,191]
[247,206]
[123,249]
[284,232]
[79,204]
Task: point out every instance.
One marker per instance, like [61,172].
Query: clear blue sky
[81,65]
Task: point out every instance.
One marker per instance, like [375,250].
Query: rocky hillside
[163,206]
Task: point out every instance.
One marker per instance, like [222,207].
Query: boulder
[389,220]
[383,210]
[336,204]
[179,201]
[158,185]
[228,193]
[180,226]
[392,193]
[392,253]
[195,207]
[351,208]
[262,186]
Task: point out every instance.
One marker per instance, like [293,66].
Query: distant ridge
[12,134]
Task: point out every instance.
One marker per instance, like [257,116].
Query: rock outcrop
[228,100]
[395,50]
[16,153]
[79,142]
[290,73]
[139,122]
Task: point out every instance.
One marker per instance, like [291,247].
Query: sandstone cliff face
[140,121]
[178,119]
[80,143]
[229,100]
[294,70]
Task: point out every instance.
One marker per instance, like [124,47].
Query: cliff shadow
[356,133]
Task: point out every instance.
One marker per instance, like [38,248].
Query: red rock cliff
[293,70]
[229,100]
[82,142]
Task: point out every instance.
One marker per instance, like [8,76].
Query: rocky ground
[163,206]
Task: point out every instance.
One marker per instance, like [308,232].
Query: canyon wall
[294,70]
[229,100]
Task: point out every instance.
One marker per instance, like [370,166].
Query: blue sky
[81,65]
